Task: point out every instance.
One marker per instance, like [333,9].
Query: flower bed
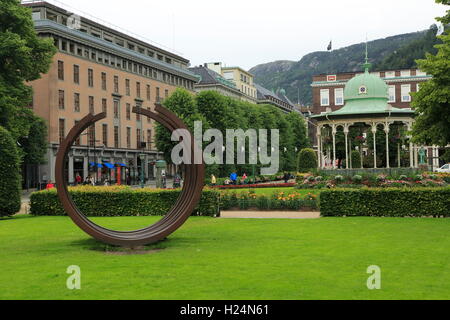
[276,201]
[372,181]
[247,186]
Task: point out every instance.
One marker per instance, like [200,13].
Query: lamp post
[142,157]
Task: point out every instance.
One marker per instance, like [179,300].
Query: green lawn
[231,259]
[270,191]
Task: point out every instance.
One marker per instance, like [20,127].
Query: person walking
[233,178]
[78,179]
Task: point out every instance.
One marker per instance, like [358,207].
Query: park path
[270,214]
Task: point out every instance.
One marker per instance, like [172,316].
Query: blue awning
[120,164]
[108,165]
[99,165]
[92,164]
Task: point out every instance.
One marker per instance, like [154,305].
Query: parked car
[444,168]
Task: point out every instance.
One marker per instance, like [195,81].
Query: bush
[356,159]
[120,201]
[339,179]
[307,160]
[394,202]
[9,175]
[357,179]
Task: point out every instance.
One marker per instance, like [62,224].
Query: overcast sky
[250,32]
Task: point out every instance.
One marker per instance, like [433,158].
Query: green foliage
[114,201]
[23,58]
[35,144]
[432,102]
[391,202]
[405,57]
[9,175]
[222,113]
[356,159]
[307,160]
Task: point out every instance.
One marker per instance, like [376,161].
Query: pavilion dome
[366,86]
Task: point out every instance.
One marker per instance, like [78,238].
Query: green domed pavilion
[366,104]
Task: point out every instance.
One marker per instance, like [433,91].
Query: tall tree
[432,102]
[23,58]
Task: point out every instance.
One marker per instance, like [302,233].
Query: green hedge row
[391,202]
[122,202]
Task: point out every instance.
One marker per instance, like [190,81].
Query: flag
[330,46]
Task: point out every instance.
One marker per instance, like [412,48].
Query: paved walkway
[270,214]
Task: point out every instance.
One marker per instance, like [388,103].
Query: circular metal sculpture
[174,219]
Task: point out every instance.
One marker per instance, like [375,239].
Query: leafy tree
[307,160]
[35,144]
[356,159]
[23,58]
[9,175]
[432,102]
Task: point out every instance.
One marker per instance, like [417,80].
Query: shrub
[357,179]
[356,159]
[311,179]
[339,179]
[418,177]
[120,201]
[394,202]
[9,175]
[307,160]
[403,177]
[319,178]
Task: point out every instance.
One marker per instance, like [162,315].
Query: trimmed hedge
[9,175]
[120,201]
[307,160]
[390,202]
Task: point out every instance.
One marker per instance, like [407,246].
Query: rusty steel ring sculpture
[174,219]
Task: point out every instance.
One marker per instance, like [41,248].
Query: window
[339,96]
[325,97]
[166,93]
[62,130]
[78,140]
[138,138]
[91,135]
[105,106]
[90,77]
[105,134]
[76,74]
[406,89]
[128,111]
[158,98]
[149,139]
[420,73]
[405,73]
[60,70]
[127,87]
[103,81]
[392,97]
[116,109]
[61,99]
[417,87]
[116,84]
[91,105]
[76,102]
[116,137]
[148,93]
[138,89]
[149,120]
[128,138]
[390,74]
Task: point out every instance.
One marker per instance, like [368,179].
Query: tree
[307,160]
[23,58]
[9,175]
[432,102]
[356,159]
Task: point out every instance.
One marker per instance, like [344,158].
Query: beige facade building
[98,69]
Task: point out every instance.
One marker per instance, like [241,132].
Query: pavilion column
[374,132]
[411,155]
[319,147]
[386,129]
[334,146]
[416,156]
[346,146]
[398,155]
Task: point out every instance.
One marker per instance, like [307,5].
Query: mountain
[296,77]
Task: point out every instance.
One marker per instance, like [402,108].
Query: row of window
[91,104]
[121,63]
[104,82]
[93,142]
[339,95]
